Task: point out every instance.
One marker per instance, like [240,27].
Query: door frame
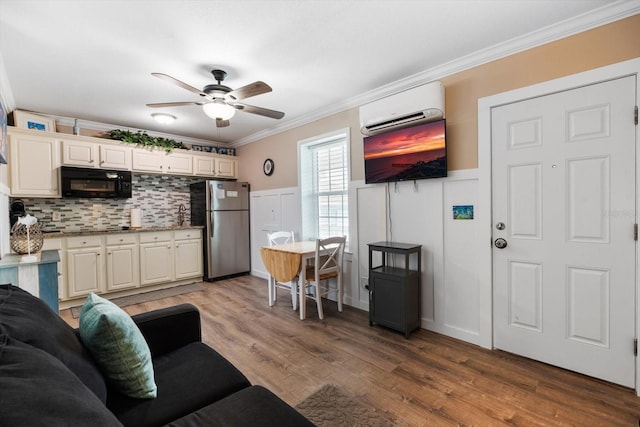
[485,229]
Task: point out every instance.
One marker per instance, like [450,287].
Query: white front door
[563,183]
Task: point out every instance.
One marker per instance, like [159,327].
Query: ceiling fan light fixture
[217,109]
[163,118]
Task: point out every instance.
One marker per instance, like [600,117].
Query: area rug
[147,296]
[331,406]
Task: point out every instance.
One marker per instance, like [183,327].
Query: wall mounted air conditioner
[414,106]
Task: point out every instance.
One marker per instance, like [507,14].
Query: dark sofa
[48,378]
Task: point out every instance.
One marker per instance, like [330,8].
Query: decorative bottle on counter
[76,127]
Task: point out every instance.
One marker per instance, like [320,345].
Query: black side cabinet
[394,292]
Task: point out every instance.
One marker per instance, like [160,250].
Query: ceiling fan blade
[222,123]
[258,110]
[173,104]
[253,89]
[178,83]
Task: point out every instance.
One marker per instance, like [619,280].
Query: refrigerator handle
[210,223]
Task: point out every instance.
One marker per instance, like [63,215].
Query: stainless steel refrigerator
[222,207]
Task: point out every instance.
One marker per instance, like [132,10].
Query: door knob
[500,243]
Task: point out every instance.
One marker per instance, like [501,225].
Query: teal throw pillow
[118,347]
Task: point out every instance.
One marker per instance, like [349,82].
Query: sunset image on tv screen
[406,154]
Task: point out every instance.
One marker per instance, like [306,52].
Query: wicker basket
[19,242]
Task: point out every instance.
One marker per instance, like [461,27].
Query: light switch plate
[56,216]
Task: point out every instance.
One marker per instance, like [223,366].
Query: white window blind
[325,185]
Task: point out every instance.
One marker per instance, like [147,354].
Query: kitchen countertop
[53,234]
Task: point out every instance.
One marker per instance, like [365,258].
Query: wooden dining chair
[278,238]
[327,265]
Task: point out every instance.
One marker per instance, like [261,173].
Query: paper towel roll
[136,218]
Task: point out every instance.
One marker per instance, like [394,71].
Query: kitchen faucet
[181,213]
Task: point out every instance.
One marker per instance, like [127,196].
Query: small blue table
[40,277]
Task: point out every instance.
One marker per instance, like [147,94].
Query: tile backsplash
[158,196]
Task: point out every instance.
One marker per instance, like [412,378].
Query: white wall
[419,213]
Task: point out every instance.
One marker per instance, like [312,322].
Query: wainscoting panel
[416,217]
[460,290]
[271,210]
[371,215]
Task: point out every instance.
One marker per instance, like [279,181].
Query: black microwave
[91,183]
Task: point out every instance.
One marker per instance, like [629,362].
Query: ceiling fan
[221,101]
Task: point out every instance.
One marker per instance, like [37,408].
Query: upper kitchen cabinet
[33,163]
[148,160]
[179,163]
[220,167]
[154,160]
[93,155]
[226,167]
[204,165]
[115,157]
[36,157]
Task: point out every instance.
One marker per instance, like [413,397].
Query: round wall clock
[268,167]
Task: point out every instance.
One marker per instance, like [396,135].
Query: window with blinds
[325,186]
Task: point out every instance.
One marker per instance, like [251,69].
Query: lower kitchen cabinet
[156,258]
[188,254]
[123,262]
[85,265]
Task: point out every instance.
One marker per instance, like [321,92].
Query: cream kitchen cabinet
[178,163]
[126,262]
[226,167]
[217,167]
[115,157]
[79,153]
[204,165]
[93,155]
[148,160]
[85,265]
[156,257]
[188,253]
[123,261]
[33,164]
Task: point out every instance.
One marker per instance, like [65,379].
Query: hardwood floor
[428,380]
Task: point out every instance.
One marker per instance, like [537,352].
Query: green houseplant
[143,139]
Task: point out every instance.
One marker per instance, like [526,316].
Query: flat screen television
[416,152]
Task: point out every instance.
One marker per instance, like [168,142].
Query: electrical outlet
[56,216]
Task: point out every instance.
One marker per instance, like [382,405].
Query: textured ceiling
[93,59]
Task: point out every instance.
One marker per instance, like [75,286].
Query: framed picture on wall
[25,120]
[3,134]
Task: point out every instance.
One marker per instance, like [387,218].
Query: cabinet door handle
[107,254]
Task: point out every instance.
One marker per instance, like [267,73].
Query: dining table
[286,261]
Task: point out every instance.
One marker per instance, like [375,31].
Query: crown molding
[601,16]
